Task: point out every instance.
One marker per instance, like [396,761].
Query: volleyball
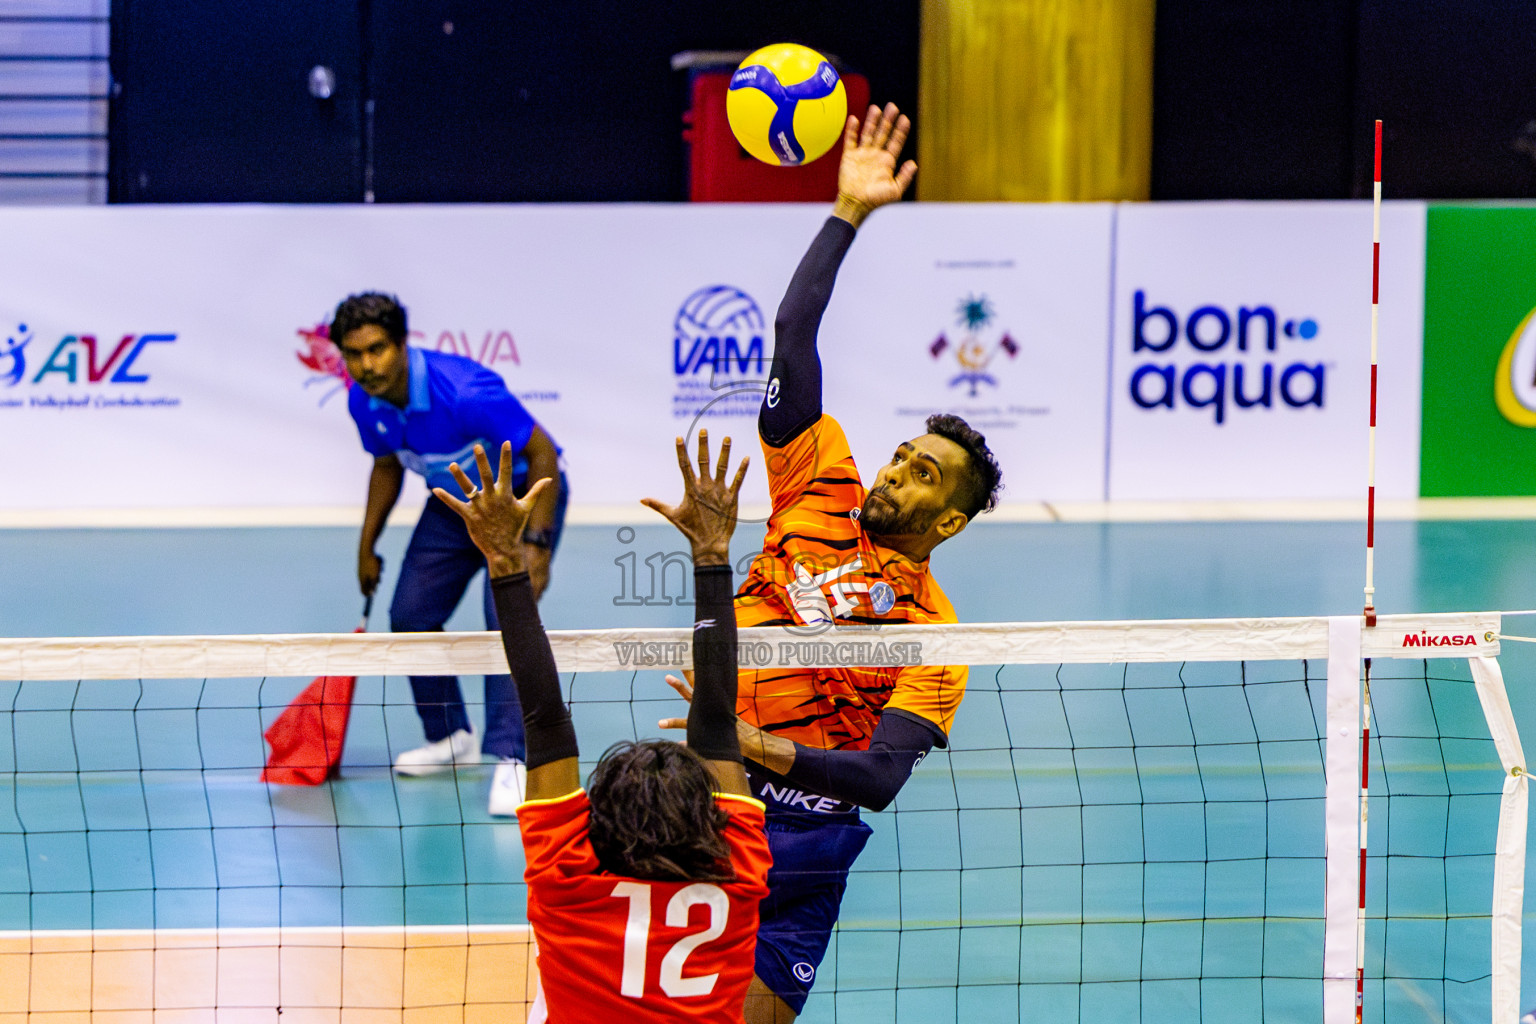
[786,105]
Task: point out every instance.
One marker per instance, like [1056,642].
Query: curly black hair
[979,492]
[654,814]
[369,308]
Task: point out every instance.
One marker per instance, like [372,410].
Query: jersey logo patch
[804,972]
[882,597]
[773,393]
[810,603]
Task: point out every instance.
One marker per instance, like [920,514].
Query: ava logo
[323,360]
[975,350]
[718,354]
[1236,364]
[1514,383]
[1427,639]
[327,369]
[488,349]
[15,351]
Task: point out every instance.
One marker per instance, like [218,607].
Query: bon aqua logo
[78,360]
[1238,362]
[977,347]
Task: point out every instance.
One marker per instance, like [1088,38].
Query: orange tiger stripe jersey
[818,564]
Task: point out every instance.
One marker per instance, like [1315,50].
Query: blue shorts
[811,858]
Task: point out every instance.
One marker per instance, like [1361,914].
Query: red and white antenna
[1370,583]
[1370,471]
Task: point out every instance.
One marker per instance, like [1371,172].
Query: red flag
[307,737]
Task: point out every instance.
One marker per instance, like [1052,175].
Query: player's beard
[883,519]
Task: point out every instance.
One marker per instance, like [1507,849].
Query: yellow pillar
[1035,100]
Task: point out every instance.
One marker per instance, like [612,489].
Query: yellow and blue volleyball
[786,105]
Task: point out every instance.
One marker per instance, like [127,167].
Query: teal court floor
[1100,845]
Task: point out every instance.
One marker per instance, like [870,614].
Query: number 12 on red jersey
[637,937]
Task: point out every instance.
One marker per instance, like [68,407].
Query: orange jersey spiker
[819,570]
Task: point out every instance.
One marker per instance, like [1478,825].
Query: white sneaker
[461,748]
[509,787]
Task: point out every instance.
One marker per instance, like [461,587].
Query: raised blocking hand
[493,514]
[867,177]
[707,513]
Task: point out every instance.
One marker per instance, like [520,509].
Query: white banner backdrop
[167,357]
[1241,359]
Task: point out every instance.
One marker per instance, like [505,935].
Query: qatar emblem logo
[977,347]
[324,361]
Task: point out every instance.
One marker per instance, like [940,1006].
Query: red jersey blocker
[622,937]
[817,562]
[622,949]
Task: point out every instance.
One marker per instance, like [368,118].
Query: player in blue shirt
[424,411]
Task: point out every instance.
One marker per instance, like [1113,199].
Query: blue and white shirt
[454,403]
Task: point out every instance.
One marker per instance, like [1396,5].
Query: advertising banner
[996,313]
[1240,367]
[1480,352]
[175,357]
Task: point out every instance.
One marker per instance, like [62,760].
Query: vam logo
[720,329]
[718,354]
[1514,383]
[1237,362]
[977,347]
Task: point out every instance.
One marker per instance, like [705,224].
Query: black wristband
[712,716]
[546,721]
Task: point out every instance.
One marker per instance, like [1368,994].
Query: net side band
[1469,634]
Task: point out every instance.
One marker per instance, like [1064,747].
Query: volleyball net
[1134,821]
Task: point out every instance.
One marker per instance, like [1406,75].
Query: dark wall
[210,103]
[1252,98]
[473,100]
[553,100]
[1258,99]
[489,100]
[1454,83]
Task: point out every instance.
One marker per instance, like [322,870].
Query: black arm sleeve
[793,402]
[870,778]
[712,715]
[546,721]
